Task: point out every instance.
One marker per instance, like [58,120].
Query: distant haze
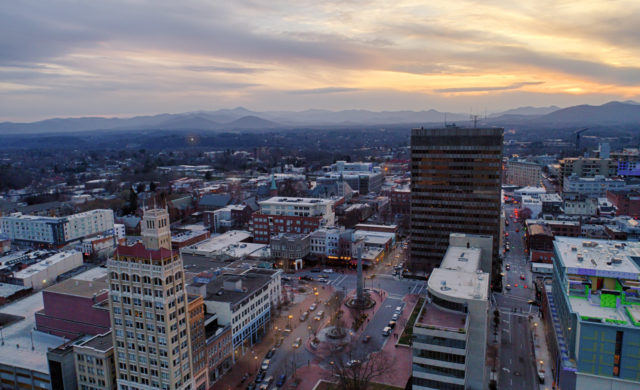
[242,119]
[125,58]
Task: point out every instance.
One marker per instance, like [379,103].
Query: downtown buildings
[455,187]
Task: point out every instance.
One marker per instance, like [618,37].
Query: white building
[533,204]
[56,231]
[45,272]
[533,192]
[363,177]
[592,186]
[242,301]
[119,230]
[299,207]
[450,333]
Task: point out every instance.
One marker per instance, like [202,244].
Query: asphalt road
[516,352]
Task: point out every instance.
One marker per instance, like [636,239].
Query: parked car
[386,331]
[306,277]
[316,270]
[296,344]
[395,317]
[366,339]
[319,316]
[398,309]
[267,382]
[313,306]
[260,376]
[270,354]
[281,380]
[279,342]
[391,324]
[251,386]
[265,364]
[303,316]
[323,280]
[328,270]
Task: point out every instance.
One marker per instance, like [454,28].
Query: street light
[255,359]
[290,317]
[316,294]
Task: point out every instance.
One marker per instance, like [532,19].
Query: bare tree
[355,372]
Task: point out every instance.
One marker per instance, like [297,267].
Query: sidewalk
[541,351]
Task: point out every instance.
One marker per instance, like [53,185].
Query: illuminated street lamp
[316,294]
[290,317]
[255,359]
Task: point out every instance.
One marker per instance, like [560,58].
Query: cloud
[316,91]
[488,89]
[224,69]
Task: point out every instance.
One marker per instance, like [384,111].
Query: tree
[356,372]
[133,202]
[141,188]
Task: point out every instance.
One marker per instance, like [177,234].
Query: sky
[128,57]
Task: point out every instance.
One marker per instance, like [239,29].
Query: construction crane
[577,133]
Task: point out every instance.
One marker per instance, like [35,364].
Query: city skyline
[122,59]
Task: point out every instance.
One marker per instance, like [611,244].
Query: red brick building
[290,215]
[75,307]
[540,243]
[400,200]
[627,202]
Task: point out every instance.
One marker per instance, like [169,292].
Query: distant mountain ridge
[240,118]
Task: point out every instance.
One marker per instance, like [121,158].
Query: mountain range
[241,119]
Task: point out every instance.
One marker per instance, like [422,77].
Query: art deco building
[455,188]
[149,311]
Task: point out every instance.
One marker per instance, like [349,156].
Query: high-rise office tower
[455,188]
[148,304]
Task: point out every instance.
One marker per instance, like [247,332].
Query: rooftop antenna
[474,118]
[445,119]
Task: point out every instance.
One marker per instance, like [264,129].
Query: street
[516,351]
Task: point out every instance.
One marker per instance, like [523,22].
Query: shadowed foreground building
[455,188]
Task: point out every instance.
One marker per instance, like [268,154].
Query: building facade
[595,321]
[90,314]
[148,305]
[591,186]
[290,246]
[588,167]
[290,215]
[455,187]
[56,231]
[95,364]
[626,202]
[523,173]
[198,341]
[450,333]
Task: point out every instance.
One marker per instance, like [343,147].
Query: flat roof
[44,264]
[20,333]
[250,281]
[100,342]
[586,308]
[7,290]
[80,288]
[218,243]
[295,201]
[458,275]
[605,258]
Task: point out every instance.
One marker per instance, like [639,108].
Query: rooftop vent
[589,244]
[580,257]
[573,248]
[616,260]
